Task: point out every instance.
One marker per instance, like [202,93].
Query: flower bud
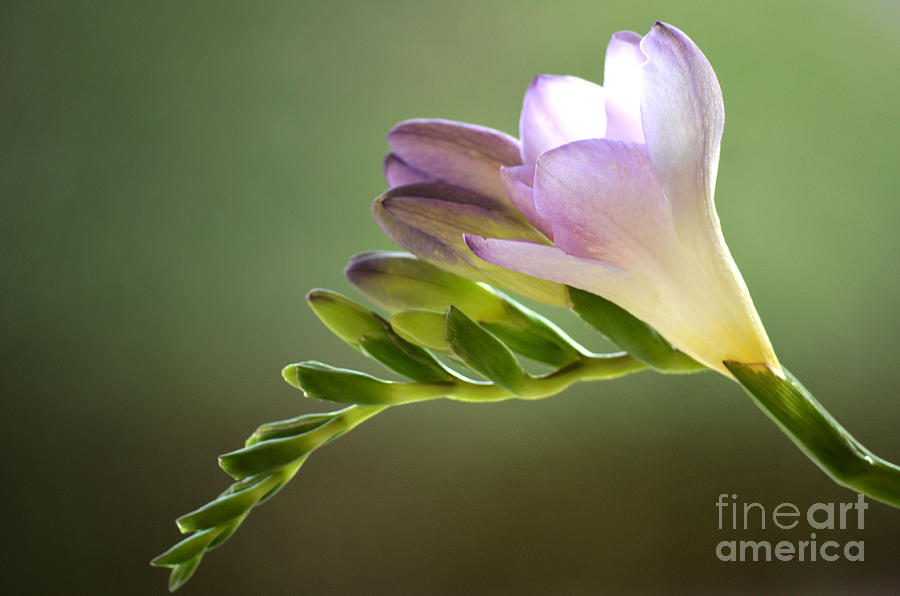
[400,281]
[422,292]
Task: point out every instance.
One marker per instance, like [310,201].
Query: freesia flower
[609,190]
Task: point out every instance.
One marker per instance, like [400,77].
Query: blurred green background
[176,175]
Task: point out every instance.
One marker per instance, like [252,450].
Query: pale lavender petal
[539,260]
[627,288]
[461,154]
[622,81]
[429,220]
[517,182]
[558,110]
[603,202]
[397,172]
[683,308]
[683,117]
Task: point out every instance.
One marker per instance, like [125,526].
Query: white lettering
[826,556]
[858,546]
[861,507]
[731,556]
[756,547]
[762,515]
[784,550]
[778,513]
[828,524]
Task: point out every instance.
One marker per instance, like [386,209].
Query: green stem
[350,418]
[588,368]
[800,416]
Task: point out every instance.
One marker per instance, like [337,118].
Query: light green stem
[809,425]
[588,368]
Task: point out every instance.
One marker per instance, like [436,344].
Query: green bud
[225,508]
[423,292]
[182,572]
[533,336]
[422,327]
[400,281]
[267,456]
[341,385]
[228,530]
[185,550]
[484,353]
[371,334]
[292,426]
[405,358]
[343,317]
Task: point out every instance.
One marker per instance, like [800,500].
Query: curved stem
[587,368]
[800,416]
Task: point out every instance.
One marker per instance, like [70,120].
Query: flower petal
[625,288]
[684,308]
[604,204]
[429,220]
[461,154]
[517,182]
[622,81]
[398,173]
[683,117]
[558,110]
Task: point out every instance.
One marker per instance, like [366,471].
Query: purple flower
[609,190]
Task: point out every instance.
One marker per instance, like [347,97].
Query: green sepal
[404,358]
[342,385]
[227,531]
[630,333]
[261,470]
[284,479]
[267,456]
[226,507]
[400,281]
[187,549]
[288,428]
[181,573]
[343,317]
[374,337]
[523,331]
[529,345]
[482,352]
[270,455]
[532,335]
[422,327]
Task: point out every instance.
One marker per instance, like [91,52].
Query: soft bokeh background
[176,175]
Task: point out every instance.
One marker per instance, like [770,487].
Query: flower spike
[605,207]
